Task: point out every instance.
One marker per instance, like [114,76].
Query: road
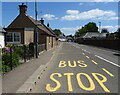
[78,68]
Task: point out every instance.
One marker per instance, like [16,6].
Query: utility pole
[36,31]
[99,26]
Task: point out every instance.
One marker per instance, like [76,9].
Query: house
[94,35]
[19,35]
[25,30]
[2,37]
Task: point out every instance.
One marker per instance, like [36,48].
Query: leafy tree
[57,32]
[90,27]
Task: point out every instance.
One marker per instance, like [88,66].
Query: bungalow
[23,30]
[93,35]
[2,37]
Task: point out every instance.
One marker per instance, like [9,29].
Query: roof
[2,30]
[42,27]
[93,34]
[51,31]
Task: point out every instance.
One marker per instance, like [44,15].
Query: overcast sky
[67,16]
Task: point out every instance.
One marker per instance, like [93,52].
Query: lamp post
[36,32]
[99,26]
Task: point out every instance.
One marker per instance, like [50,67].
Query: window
[13,37]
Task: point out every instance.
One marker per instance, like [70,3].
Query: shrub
[19,50]
[5,68]
[6,59]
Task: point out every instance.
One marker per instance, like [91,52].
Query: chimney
[23,9]
[48,25]
[42,21]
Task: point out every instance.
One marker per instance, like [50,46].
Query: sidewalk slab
[14,79]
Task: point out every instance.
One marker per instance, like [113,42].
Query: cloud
[111,28]
[91,14]
[70,30]
[49,17]
[106,18]
[72,12]
[81,4]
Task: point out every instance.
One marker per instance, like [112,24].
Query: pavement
[14,79]
[69,68]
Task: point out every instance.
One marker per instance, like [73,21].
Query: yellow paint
[92,85]
[58,85]
[62,64]
[94,62]
[81,63]
[69,81]
[70,65]
[108,72]
[87,57]
[95,75]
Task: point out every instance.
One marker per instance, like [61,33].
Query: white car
[62,39]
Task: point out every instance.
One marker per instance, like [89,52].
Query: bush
[19,50]
[6,59]
[5,68]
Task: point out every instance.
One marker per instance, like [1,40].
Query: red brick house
[22,30]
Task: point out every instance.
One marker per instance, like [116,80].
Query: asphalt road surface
[78,68]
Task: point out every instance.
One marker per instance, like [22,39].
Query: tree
[57,32]
[104,30]
[90,27]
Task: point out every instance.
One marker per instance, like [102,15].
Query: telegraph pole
[36,30]
[99,26]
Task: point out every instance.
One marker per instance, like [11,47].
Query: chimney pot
[42,21]
[48,25]
[23,8]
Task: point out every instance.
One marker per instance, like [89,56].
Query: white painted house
[2,37]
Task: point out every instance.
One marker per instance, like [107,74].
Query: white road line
[83,53]
[82,49]
[108,61]
[86,51]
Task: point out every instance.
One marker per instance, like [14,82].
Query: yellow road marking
[87,56]
[58,85]
[96,76]
[92,85]
[107,72]
[70,65]
[62,64]
[94,62]
[81,63]
[69,81]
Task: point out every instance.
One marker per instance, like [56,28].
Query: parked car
[62,39]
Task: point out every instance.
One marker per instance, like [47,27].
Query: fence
[41,47]
[106,43]
[14,55]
